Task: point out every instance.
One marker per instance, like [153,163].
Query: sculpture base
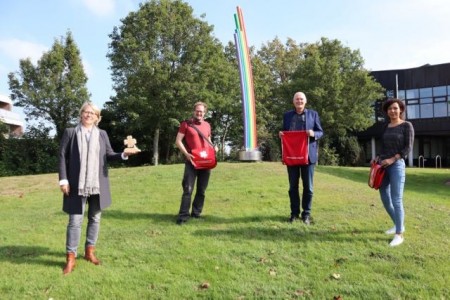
[254,155]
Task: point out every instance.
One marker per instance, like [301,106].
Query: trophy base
[254,155]
[133,150]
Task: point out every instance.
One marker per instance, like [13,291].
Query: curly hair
[391,101]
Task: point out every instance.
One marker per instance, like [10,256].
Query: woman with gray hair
[83,179]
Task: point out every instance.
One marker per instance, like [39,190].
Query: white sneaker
[398,239]
[392,230]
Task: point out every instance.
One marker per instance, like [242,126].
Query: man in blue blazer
[308,120]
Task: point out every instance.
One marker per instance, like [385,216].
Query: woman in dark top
[396,143]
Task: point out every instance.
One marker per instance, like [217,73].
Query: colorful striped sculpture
[247,89]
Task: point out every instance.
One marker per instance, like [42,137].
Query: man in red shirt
[192,140]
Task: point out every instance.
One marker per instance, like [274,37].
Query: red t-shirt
[191,137]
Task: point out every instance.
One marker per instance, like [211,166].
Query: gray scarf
[88,182]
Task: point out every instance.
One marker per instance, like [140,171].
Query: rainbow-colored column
[251,151]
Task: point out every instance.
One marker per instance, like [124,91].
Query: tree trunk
[155,147]
[224,138]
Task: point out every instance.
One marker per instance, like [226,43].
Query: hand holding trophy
[131,146]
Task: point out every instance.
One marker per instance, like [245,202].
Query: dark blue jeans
[306,173]
[190,174]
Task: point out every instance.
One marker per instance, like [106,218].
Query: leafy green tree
[274,66]
[338,86]
[55,88]
[163,60]
[225,111]
[4,130]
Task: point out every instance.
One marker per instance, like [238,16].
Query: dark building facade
[426,93]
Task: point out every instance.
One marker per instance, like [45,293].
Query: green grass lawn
[243,248]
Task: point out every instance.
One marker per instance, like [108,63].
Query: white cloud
[88,69]
[17,49]
[100,7]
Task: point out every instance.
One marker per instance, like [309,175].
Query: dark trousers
[190,174]
[306,173]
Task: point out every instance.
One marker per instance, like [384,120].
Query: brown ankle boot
[89,255]
[70,263]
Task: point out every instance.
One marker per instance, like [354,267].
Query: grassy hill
[243,248]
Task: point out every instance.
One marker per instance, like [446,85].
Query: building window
[411,94]
[429,102]
[440,91]
[412,111]
[426,92]
[440,109]
[426,111]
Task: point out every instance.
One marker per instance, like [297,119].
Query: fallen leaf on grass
[302,293]
[205,285]
[336,275]
[154,233]
[272,272]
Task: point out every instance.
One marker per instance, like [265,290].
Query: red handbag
[294,148]
[205,157]
[376,175]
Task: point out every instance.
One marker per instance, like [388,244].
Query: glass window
[415,101]
[401,94]
[411,94]
[426,111]
[440,109]
[426,100]
[439,91]
[412,111]
[426,92]
[440,99]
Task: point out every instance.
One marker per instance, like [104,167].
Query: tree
[54,89]
[163,60]
[4,130]
[274,66]
[339,88]
[225,111]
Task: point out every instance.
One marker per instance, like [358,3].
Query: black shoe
[195,216]
[181,221]
[292,219]
[306,220]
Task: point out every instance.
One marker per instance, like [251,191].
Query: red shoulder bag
[205,157]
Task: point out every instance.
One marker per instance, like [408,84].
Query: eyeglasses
[88,112]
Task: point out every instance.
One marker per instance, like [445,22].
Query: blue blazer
[313,123]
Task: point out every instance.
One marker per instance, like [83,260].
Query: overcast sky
[390,34]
